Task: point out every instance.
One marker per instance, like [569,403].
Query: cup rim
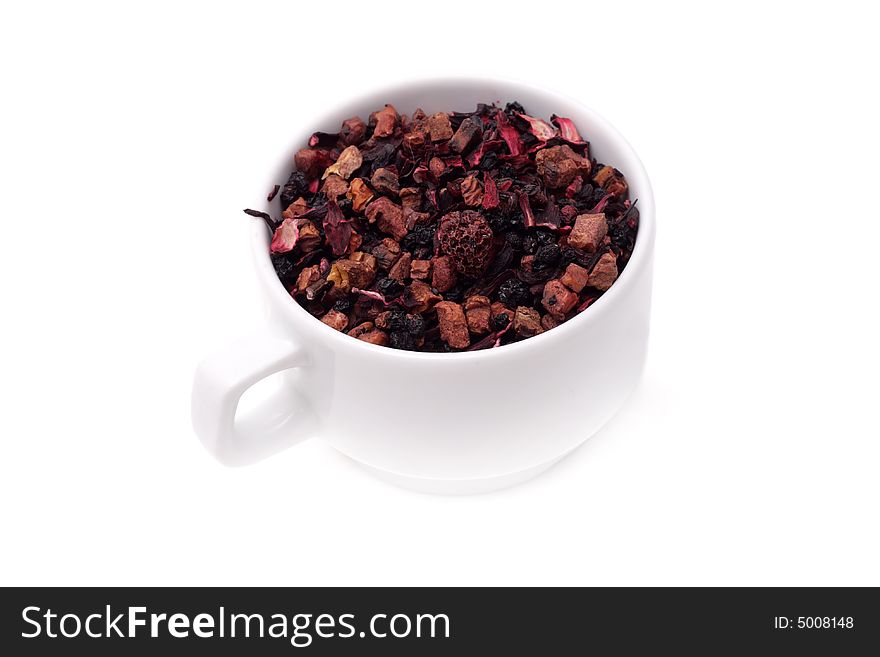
[311,328]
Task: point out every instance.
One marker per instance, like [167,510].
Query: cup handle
[219,383]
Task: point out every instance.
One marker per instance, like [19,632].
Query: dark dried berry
[545,237]
[489,162]
[513,292]
[456,293]
[285,268]
[547,256]
[414,325]
[500,222]
[421,235]
[514,240]
[297,185]
[530,244]
[402,340]
[344,305]
[500,321]
[389,287]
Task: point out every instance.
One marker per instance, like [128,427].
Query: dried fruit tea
[451,231]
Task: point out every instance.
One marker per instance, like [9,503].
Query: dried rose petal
[285,237]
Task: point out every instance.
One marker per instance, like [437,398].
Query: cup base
[461,486]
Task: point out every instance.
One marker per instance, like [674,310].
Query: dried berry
[467,239]
[421,235]
[500,321]
[388,287]
[449,232]
[297,185]
[285,268]
[547,255]
[513,292]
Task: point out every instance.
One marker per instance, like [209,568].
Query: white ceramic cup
[448,423]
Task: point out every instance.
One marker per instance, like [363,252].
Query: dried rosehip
[466,238]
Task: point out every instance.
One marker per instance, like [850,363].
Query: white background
[132,136]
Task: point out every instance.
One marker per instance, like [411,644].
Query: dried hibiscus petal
[567,130]
[509,134]
[490,192]
[538,127]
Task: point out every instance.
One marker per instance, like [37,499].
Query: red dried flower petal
[551,217]
[376,296]
[567,130]
[337,229]
[539,127]
[601,204]
[477,154]
[509,134]
[323,140]
[525,206]
[490,192]
[574,187]
[285,236]
[421,174]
